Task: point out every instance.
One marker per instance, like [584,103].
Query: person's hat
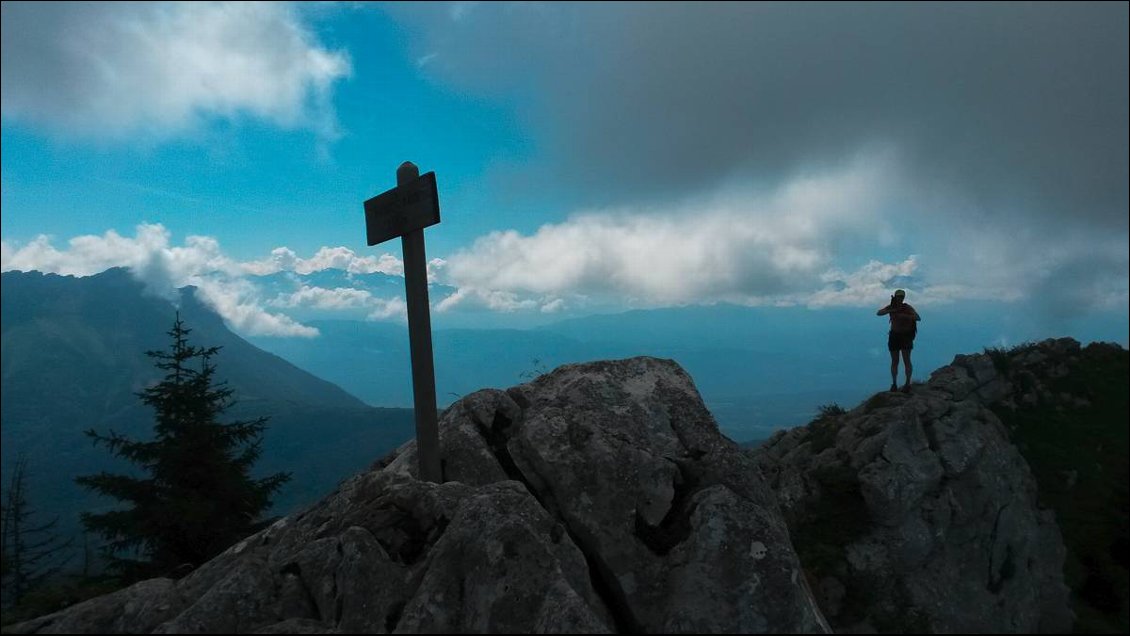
[900,293]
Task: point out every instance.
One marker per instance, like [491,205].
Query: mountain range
[759,369]
[73,359]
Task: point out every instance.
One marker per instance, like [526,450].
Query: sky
[590,157]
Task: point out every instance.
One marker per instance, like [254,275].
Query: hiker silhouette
[904,327]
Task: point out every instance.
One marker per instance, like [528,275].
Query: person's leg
[906,366]
[894,369]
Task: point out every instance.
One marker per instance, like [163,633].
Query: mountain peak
[601,497]
[928,510]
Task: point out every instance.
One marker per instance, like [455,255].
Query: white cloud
[148,254]
[435,268]
[87,254]
[107,70]
[284,259]
[868,285]
[553,306]
[738,246]
[322,298]
[345,259]
[341,299]
[163,268]
[873,283]
[385,309]
[789,246]
[238,302]
[221,281]
[494,300]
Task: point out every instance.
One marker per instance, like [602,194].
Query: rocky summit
[598,498]
[601,497]
[915,513]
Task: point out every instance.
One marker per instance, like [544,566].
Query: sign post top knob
[406,172]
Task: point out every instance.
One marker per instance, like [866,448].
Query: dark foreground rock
[602,498]
[914,513]
[598,498]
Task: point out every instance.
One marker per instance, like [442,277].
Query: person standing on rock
[904,326]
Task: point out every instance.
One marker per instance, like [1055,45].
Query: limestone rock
[598,498]
[915,513]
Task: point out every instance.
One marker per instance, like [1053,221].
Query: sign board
[408,207]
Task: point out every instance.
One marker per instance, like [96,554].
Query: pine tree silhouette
[195,497]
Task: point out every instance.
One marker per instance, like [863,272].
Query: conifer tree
[31,552]
[195,496]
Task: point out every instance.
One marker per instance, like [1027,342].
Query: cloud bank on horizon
[761,154]
[238,290]
[257,297]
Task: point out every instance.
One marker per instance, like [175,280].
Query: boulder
[598,498]
[914,512]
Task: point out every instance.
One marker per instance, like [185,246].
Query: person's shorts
[900,342]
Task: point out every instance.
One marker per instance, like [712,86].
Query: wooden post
[420,341]
[405,211]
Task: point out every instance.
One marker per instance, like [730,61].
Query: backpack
[913,326]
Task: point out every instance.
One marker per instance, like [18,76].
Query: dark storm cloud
[1008,106]
[1077,287]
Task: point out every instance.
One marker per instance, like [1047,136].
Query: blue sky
[590,156]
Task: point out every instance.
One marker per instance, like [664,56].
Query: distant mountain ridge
[760,369]
[73,357]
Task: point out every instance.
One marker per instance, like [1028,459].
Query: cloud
[148,254]
[343,298]
[1073,288]
[115,69]
[385,309]
[780,247]
[495,300]
[811,240]
[554,306]
[1005,126]
[87,254]
[163,268]
[997,102]
[238,302]
[221,282]
[739,246]
[1082,271]
[867,285]
[284,259]
[322,298]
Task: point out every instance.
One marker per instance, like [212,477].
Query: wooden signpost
[405,211]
